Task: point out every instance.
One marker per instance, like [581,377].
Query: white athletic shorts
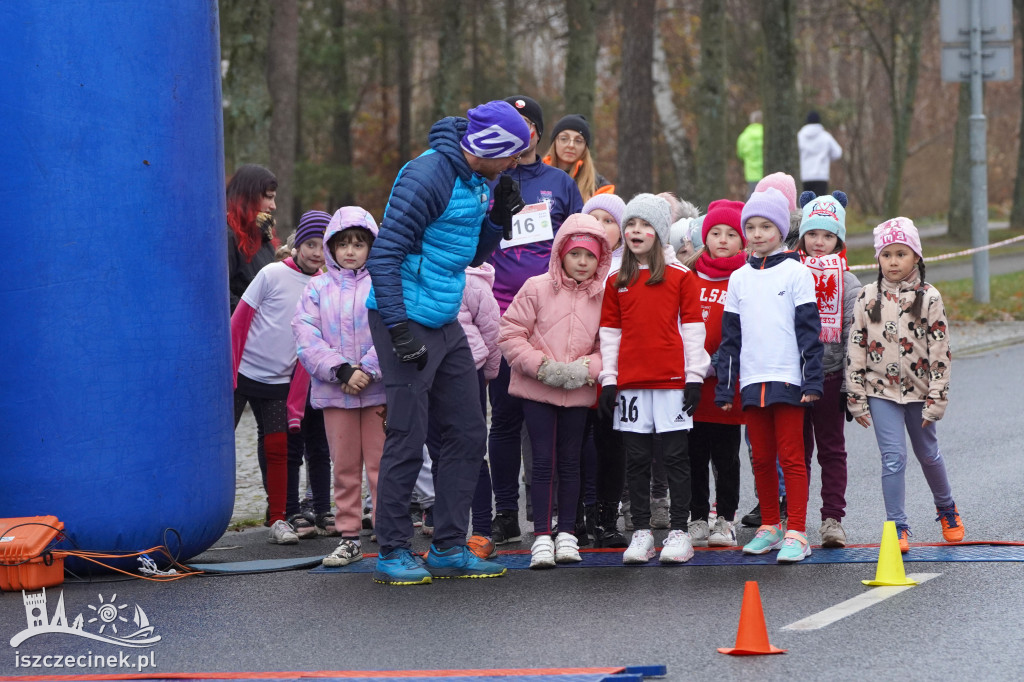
[651,410]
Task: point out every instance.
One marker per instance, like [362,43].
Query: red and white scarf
[828,288]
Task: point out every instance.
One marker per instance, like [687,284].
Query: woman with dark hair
[570,151]
[251,237]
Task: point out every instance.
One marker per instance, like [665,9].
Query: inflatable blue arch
[115,391]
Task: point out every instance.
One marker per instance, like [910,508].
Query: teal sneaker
[400,567]
[794,548]
[460,562]
[766,539]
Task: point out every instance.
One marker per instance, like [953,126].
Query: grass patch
[241,525]
[1006,294]
[935,246]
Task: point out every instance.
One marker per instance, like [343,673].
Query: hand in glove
[344,372]
[577,374]
[407,347]
[691,396]
[606,403]
[552,373]
[844,405]
[507,202]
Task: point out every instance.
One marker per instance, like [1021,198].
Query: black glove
[844,403]
[507,202]
[407,347]
[344,372]
[606,403]
[691,396]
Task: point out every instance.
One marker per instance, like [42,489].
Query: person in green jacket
[749,148]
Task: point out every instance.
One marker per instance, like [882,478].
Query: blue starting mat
[733,556]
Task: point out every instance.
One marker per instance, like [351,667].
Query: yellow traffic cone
[890,561]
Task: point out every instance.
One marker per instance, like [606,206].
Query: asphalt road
[964,624]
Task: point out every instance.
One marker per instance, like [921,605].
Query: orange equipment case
[23,563]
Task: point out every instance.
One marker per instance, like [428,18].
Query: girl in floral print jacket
[898,366]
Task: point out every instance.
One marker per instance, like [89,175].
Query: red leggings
[778,431]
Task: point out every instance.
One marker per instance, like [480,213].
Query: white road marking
[858,603]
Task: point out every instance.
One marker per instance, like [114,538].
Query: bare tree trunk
[671,127]
[509,37]
[340,190]
[245,28]
[581,58]
[713,148]
[449,69]
[283,83]
[1017,212]
[903,105]
[635,121]
[779,95]
[960,184]
[404,83]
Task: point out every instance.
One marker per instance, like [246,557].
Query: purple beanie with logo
[496,131]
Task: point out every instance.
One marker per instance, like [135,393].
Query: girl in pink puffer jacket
[549,336]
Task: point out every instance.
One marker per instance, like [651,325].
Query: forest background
[335,96]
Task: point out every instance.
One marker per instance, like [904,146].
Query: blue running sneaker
[459,562]
[766,539]
[400,567]
[794,548]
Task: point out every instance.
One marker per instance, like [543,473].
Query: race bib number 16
[532,224]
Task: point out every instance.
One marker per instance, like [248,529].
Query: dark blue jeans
[449,376]
[556,434]
[505,442]
[481,509]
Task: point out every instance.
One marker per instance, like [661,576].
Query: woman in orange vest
[570,151]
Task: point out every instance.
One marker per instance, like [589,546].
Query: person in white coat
[818,149]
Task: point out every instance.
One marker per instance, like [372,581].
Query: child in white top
[265,373]
[770,344]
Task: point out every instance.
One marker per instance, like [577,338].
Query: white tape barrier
[947,256]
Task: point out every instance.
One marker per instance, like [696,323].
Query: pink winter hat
[897,231]
[581,241]
[782,182]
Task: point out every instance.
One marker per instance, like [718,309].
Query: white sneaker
[344,554]
[699,532]
[282,534]
[660,513]
[567,548]
[677,548]
[723,534]
[641,548]
[542,554]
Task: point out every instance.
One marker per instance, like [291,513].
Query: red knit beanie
[724,212]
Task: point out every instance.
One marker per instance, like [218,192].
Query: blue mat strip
[734,557]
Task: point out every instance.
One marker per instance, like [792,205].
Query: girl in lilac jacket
[332,336]
[549,336]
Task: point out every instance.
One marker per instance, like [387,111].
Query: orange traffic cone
[752,634]
[889,571]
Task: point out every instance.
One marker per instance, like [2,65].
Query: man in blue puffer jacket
[435,225]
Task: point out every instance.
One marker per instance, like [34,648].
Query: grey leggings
[891,420]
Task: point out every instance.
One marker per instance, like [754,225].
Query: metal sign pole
[979,163]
